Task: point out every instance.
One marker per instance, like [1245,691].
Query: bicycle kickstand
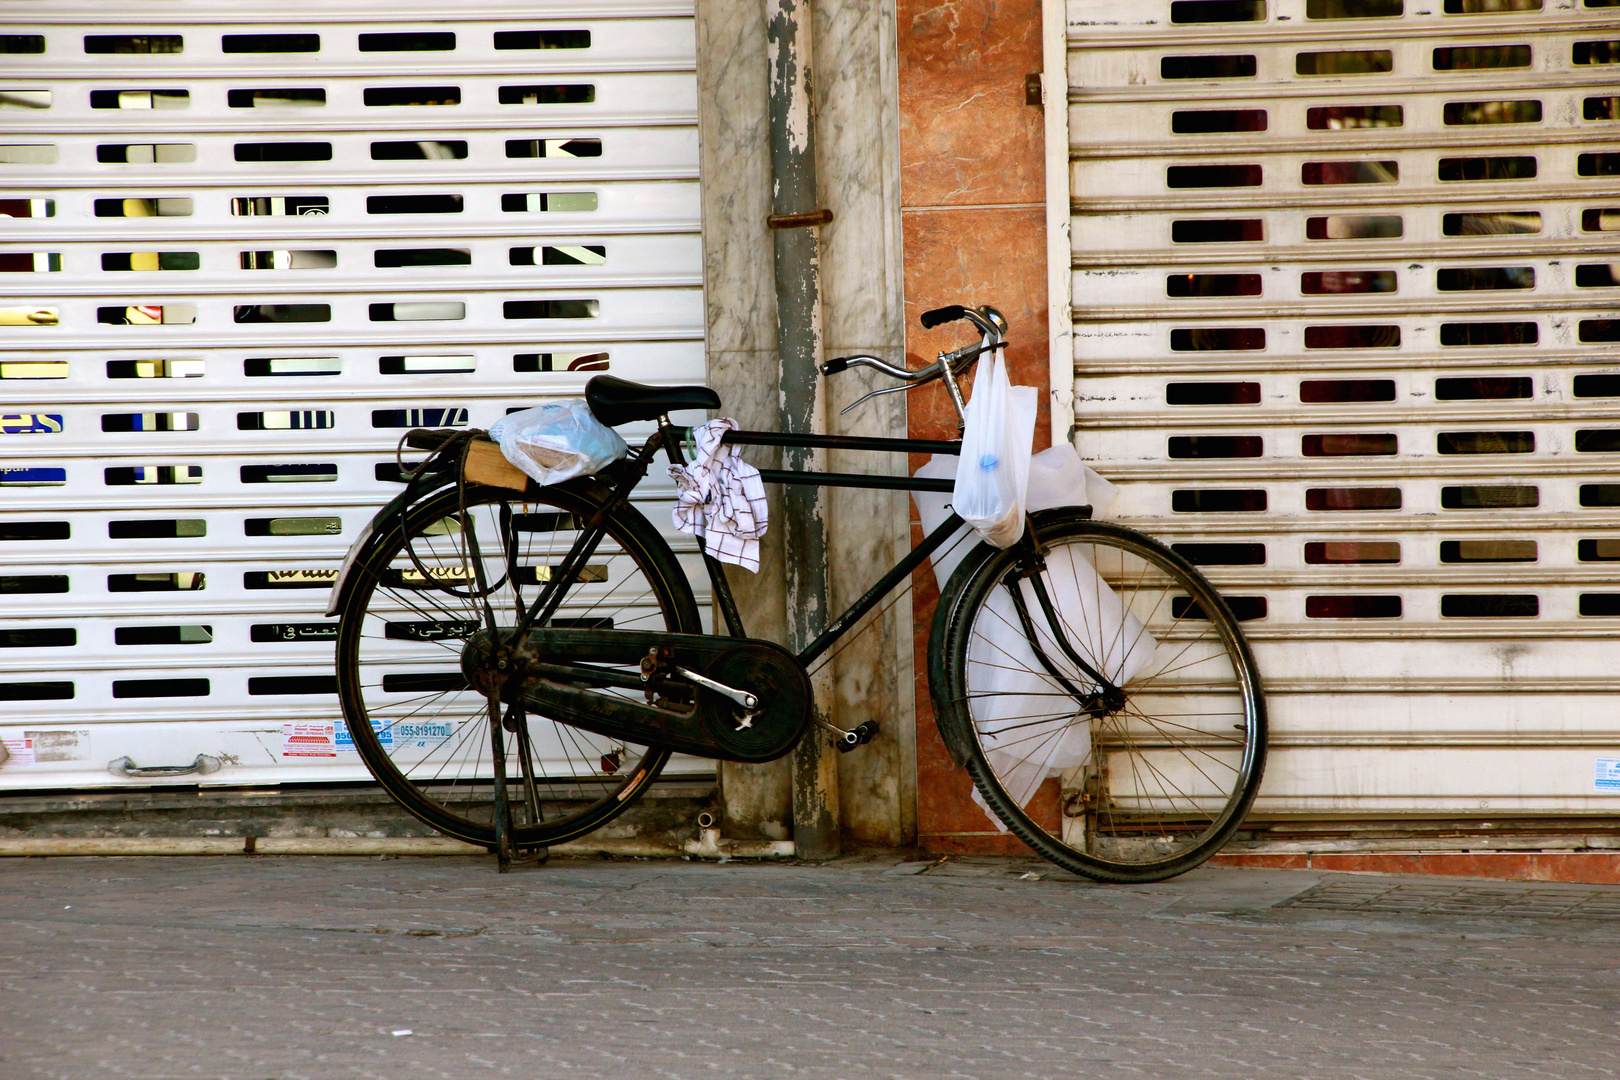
[503,805]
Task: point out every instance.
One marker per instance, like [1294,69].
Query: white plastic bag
[1057,477]
[993,470]
[557,441]
[1016,684]
[1013,686]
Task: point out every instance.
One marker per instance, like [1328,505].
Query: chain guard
[683,717]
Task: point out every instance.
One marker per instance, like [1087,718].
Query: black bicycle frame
[669,439]
[931,543]
[901,570]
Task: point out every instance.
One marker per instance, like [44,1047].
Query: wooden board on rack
[485,464]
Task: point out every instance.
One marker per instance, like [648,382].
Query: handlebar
[958,359]
[990,322]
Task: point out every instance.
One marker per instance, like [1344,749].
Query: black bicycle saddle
[619,401]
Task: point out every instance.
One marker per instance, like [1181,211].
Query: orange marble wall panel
[949,822]
[956,825]
[1264,862]
[982,843]
[972,194]
[983,255]
[967,135]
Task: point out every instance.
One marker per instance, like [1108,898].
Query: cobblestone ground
[398,969]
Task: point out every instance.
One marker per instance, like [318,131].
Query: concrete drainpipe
[795,216]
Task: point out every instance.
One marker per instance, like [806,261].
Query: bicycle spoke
[1182,753]
[444,772]
[1166,760]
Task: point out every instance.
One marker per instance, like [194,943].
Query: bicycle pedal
[858,736]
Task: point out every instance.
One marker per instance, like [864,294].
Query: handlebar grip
[940,316]
[427,438]
[835,365]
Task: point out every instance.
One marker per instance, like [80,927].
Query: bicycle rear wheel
[1138,779]
[423,731]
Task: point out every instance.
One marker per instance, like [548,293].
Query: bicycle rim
[1138,788]
[423,732]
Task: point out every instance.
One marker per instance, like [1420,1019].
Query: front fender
[334,599]
[950,716]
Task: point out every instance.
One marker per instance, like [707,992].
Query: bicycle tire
[422,731]
[1138,788]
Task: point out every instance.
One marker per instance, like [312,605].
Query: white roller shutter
[244,248]
[1345,284]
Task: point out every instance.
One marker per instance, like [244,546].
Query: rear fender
[415,491]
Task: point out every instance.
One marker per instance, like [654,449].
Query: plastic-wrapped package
[557,441]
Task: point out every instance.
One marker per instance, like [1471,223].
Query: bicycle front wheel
[1102,698]
[422,730]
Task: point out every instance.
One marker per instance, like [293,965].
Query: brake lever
[876,393]
[959,360]
[910,378]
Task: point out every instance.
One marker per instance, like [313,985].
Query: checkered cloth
[721,498]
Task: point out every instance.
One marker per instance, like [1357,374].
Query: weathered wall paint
[790,53]
[854,95]
[740,334]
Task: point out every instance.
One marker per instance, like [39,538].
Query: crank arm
[599,677]
[689,729]
[741,697]
[621,718]
[744,700]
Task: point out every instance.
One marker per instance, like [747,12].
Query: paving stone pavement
[398,969]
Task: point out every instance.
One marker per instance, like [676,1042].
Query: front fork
[1082,788]
[1106,698]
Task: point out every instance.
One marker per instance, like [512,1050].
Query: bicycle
[517,663]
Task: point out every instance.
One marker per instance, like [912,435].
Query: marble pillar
[740,335]
[854,77]
[863,310]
